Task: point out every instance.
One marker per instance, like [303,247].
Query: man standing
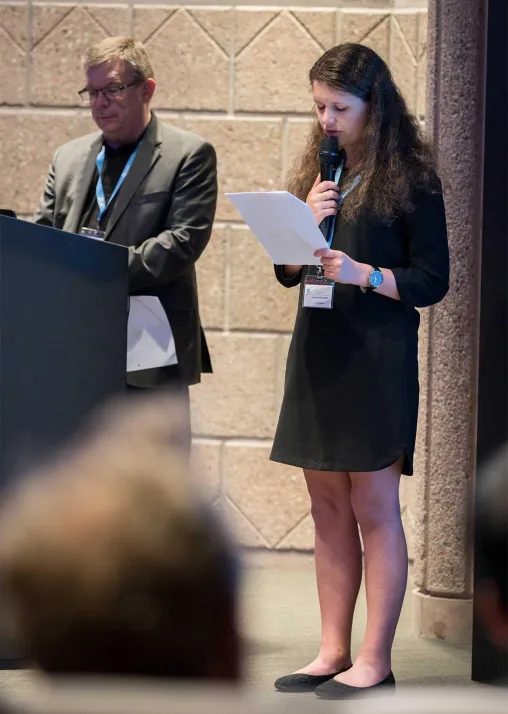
[145,185]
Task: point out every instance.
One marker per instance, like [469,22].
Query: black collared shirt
[114,164]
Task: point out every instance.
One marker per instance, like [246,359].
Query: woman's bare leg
[338,567]
[375,501]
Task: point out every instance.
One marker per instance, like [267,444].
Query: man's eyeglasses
[111,93]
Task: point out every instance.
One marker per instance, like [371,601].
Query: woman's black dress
[351,390]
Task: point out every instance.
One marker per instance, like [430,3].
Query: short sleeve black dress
[351,388]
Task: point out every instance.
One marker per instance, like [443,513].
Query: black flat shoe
[332,689]
[302,682]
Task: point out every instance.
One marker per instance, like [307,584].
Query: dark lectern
[63,341]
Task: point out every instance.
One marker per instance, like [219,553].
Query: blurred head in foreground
[491,596]
[110,562]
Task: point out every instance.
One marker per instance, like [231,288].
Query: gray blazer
[163,213]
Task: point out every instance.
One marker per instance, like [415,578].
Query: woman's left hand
[340,267]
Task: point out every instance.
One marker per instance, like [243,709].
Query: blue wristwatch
[375,280]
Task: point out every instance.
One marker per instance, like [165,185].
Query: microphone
[329,154]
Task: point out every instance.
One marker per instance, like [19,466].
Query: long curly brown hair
[394,157]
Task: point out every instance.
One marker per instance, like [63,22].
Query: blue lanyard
[338,174]
[342,196]
[99,191]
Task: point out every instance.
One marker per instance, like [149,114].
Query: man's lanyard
[99,191]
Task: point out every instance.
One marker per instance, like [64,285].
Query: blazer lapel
[85,179]
[148,154]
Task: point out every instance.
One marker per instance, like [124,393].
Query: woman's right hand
[322,199]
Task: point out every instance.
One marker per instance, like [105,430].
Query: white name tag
[92,233]
[318,292]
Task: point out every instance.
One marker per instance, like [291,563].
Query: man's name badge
[92,233]
[318,292]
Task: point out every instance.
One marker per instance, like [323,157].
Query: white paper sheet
[150,342]
[283,225]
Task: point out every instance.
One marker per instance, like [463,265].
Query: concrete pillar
[442,599]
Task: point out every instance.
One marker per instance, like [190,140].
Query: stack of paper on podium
[283,225]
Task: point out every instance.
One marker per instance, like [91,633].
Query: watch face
[376,278]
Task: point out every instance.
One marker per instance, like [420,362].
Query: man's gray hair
[124,48]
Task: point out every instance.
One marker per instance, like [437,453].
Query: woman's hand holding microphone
[323,201]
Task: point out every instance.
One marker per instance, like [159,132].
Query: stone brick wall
[237,75]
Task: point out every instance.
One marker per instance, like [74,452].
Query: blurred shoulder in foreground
[111,561]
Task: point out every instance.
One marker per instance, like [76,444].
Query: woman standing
[350,407]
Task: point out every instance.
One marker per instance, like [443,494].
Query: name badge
[318,292]
[92,233]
